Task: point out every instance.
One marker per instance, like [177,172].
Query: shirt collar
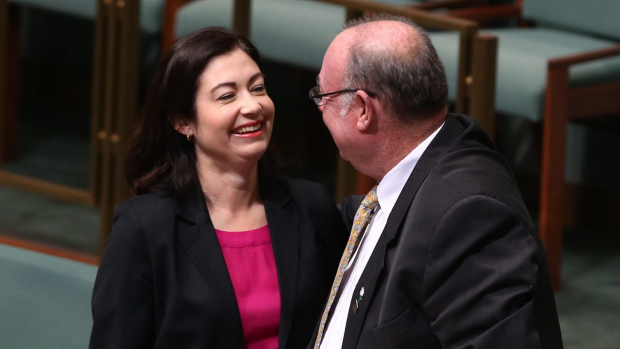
[394,181]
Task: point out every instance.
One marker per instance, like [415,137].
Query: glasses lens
[316,90]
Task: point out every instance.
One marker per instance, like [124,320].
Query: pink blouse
[252,270]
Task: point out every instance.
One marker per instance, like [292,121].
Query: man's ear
[364,110]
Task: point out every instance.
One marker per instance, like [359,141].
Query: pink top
[252,270]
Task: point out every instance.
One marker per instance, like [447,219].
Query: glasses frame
[320,96]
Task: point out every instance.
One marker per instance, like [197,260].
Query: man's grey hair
[413,86]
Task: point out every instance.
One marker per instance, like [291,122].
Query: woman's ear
[183,126]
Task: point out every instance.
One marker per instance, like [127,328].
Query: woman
[214,252]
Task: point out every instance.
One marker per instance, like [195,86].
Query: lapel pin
[356,306]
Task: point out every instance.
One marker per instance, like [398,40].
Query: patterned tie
[362,217]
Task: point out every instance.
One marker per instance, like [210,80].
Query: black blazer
[459,264]
[163,282]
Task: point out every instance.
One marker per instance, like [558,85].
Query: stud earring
[189,137]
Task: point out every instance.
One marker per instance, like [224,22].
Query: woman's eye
[226,97]
[259,88]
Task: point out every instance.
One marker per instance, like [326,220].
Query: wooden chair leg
[552,169]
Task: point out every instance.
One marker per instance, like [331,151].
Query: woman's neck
[234,202]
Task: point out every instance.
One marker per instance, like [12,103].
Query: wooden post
[120,90]
[241,17]
[4,19]
[466,42]
[126,90]
[107,38]
[11,80]
[552,168]
[482,87]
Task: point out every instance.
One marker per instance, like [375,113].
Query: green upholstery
[44,300]
[151,11]
[598,17]
[522,60]
[296,31]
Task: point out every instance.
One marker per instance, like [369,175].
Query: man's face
[330,79]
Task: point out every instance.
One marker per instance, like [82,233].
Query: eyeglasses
[317,96]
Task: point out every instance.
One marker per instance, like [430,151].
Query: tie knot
[371,201]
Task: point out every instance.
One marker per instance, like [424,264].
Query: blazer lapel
[370,277]
[284,230]
[203,248]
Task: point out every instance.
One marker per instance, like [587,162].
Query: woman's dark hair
[159,159]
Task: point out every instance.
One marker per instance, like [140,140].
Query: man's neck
[402,141]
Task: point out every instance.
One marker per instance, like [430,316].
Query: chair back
[598,17]
[44,300]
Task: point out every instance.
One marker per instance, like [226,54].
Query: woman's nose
[250,106]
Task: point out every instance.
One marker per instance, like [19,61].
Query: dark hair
[413,85]
[159,159]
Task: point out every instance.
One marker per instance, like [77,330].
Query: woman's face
[234,114]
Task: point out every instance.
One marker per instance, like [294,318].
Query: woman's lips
[252,129]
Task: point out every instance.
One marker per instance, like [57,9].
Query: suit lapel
[203,248]
[370,277]
[284,230]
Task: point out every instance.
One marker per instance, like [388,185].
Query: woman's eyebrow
[232,84]
[256,76]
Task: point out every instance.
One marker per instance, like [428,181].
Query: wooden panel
[12,81]
[108,85]
[482,87]
[422,18]
[58,191]
[594,101]
[168,35]
[552,168]
[586,57]
[4,18]
[487,13]
[241,17]
[442,4]
[43,248]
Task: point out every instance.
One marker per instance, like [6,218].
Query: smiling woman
[215,251]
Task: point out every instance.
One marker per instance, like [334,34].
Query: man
[447,255]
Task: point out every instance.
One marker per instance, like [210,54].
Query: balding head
[393,57]
[392,92]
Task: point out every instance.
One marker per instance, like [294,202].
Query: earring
[189,137]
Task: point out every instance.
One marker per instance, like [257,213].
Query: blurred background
[541,76]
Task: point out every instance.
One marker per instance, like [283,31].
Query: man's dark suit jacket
[163,281]
[459,263]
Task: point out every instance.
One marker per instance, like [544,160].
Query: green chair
[295,32]
[44,300]
[566,68]
[61,34]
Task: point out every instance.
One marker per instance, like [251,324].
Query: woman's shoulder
[303,193]
[149,209]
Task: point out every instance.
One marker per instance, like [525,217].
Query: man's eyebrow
[318,81]
[232,84]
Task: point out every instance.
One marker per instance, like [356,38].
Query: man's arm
[481,277]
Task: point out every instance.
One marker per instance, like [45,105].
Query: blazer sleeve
[337,235]
[480,277]
[122,303]
[348,209]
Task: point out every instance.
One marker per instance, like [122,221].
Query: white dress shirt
[388,191]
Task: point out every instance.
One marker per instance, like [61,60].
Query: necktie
[362,217]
